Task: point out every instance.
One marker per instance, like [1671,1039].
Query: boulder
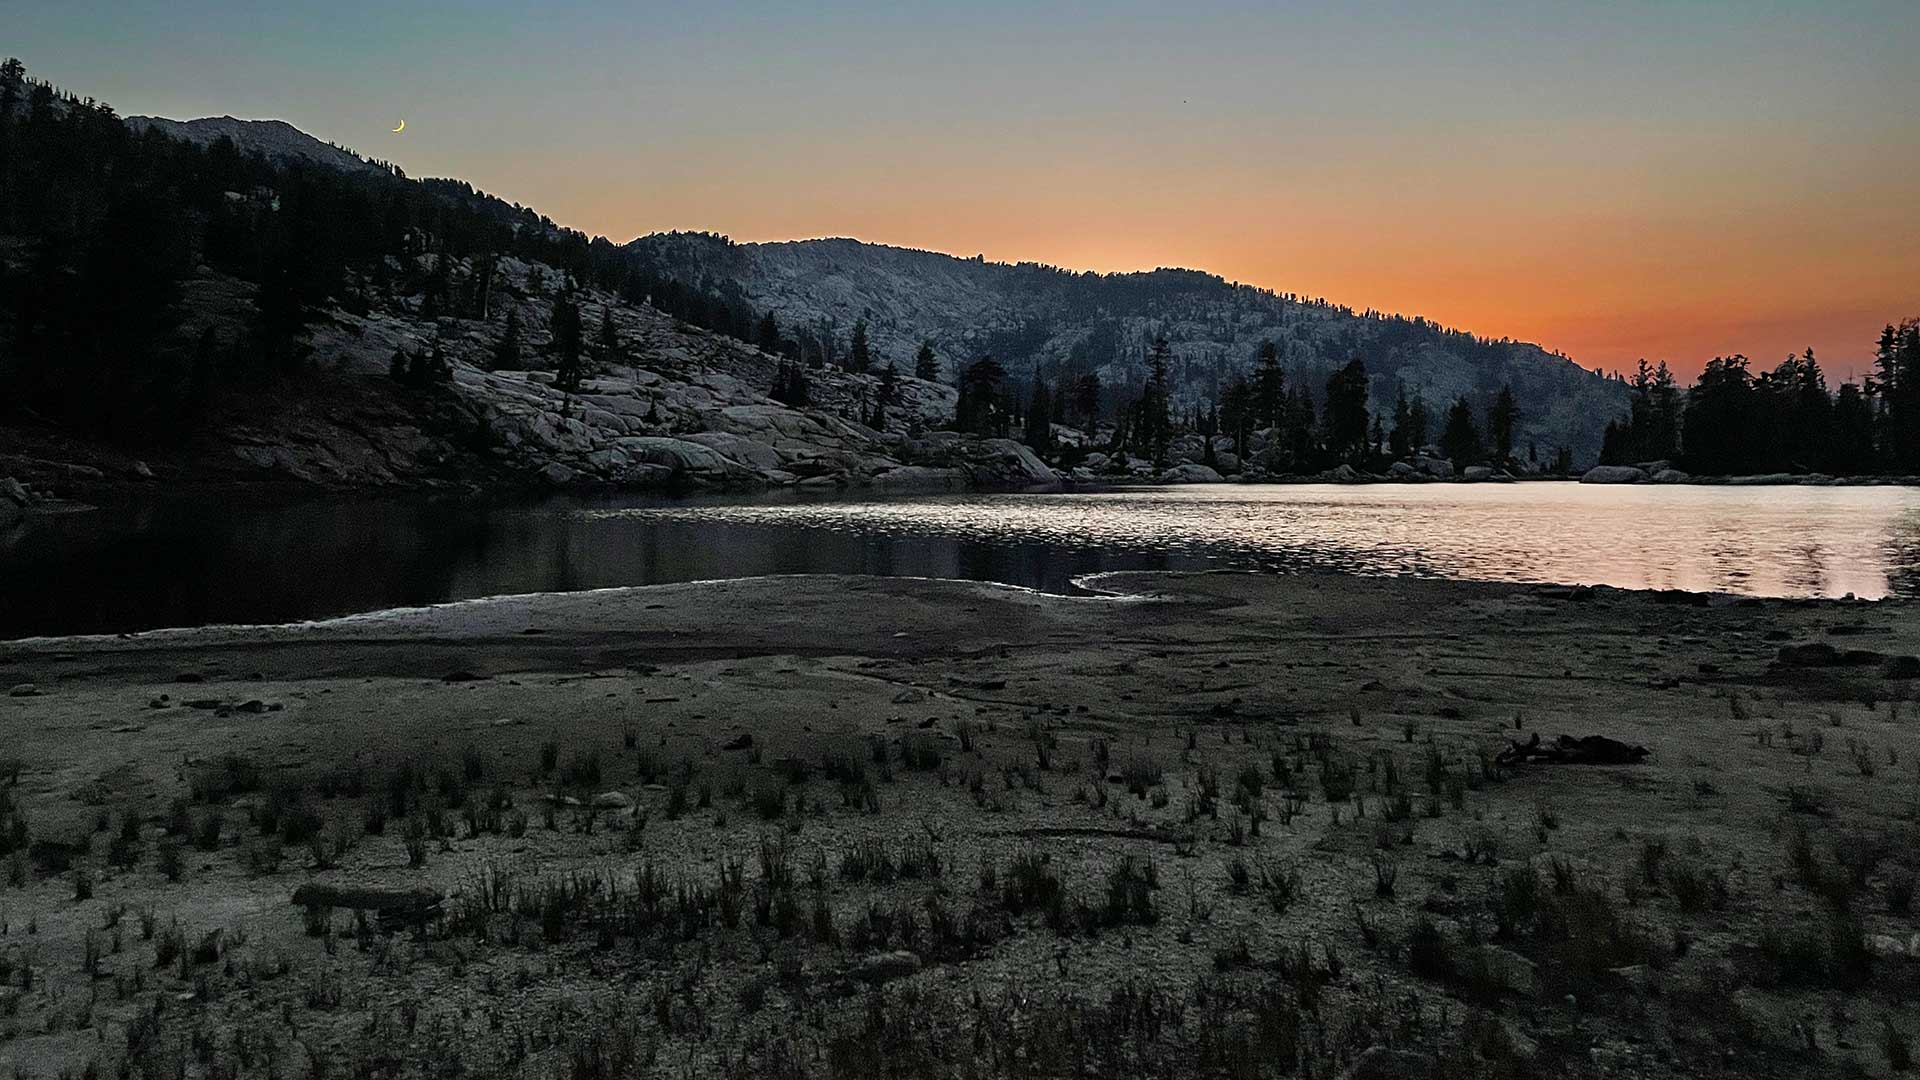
[1812,654]
[686,458]
[879,967]
[1671,476]
[13,491]
[1226,462]
[921,477]
[1476,473]
[612,800]
[1401,470]
[739,448]
[1894,947]
[646,475]
[1614,474]
[25,689]
[1384,1063]
[1637,979]
[556,474]
[1190,474]
[1434,466]
[1345,474]
[1513,972]
[1901,667]
[1186,448]
[1005,463]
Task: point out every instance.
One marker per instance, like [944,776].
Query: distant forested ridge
[1736,421]
[1088,337]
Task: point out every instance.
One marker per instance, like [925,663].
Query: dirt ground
[1203,825]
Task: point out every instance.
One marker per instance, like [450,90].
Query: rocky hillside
[1066,323]
[277,139]
[682,408]
[223,300]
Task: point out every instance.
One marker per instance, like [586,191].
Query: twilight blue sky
[1670,180]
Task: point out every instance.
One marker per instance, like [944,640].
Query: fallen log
[393,907]
[1567,750]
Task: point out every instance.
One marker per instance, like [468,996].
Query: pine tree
[1039,427]
[1156,418]
[925,364]
[790,384]
[1236,414]
[1852,450]
[1417,423]
[980,410]
[1501,417]
[1400,439]
[607,345]
[1613,444]
[1298,428]
[439,287]
[886,392]
[1808,437]
[1897,360]
[1718,430]
[1346,412]
[565,328]
[1086,400]
[1460,442]
[859,359]
[767,336]
[1666,406]
[506,351]
[1269,388]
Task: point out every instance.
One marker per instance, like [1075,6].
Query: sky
[1671,180]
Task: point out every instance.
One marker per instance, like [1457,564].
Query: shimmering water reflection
[184,562]
[1786,541]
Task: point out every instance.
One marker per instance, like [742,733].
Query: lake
[188,561]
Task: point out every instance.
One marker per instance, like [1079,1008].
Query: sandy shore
[1078,741]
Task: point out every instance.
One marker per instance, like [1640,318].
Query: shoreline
[83,487]
[560,602]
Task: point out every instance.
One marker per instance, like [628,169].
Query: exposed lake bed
[869,725]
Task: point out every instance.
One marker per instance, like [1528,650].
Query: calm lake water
[192,562]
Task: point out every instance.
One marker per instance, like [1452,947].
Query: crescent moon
[401,128]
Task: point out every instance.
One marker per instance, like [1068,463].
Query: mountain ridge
[1056,322]
[1040,318]
[277,139]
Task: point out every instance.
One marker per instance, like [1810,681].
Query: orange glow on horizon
[1612,181]
[1606,292]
